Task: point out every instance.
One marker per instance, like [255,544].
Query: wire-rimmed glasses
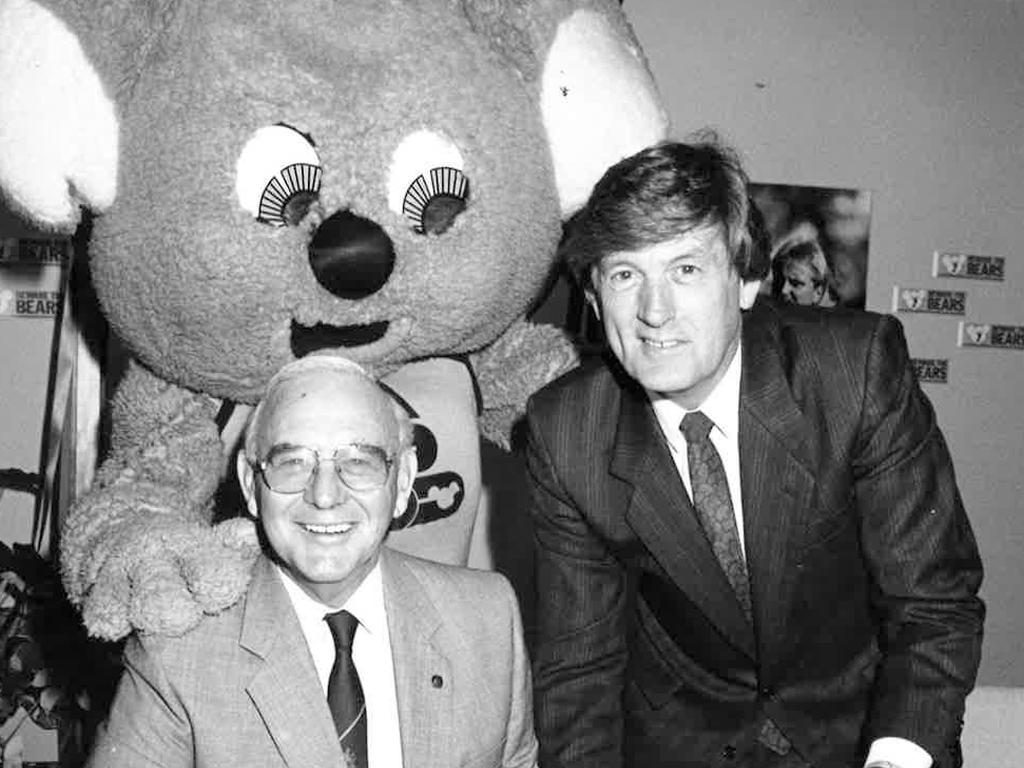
[290,468]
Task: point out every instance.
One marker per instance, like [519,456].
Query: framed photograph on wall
[819,238]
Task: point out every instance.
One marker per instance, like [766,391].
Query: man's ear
[406,474]
[748,293]
[247,482]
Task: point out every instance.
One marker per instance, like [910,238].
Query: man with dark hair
[751,547]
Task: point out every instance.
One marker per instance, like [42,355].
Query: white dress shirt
[722,406]
[371,653]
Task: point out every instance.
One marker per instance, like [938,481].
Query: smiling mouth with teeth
[661,344]
[332,529]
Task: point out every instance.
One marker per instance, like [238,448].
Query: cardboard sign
[931,370]
[29,303]
[35,250]
[991,335]
[30,291]
[968,265]
[924,300]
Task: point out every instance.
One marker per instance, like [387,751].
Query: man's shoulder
[219,633]
[817,333]
[211,636]
[594,381]
[816,320]
[829,360]
[465,583]
[471,605]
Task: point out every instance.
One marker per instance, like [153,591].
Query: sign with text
[991,335]
[35,250]
[29,303]
[27,292]
[924,300]
[968,265]
[931,370]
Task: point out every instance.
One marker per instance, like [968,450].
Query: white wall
[25,349]
[923,104]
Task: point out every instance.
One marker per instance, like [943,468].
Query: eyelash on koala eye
[444,182]
[297,179]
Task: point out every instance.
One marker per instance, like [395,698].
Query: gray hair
[324,364]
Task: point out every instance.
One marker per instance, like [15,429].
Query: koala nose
[352,257]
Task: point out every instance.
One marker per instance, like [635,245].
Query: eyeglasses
[289,469]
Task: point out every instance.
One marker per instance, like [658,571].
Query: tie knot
[343,626]
[696,426]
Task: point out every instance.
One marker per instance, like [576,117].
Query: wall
[25,350]
[923,104]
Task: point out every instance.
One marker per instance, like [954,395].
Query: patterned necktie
[344,692]
[714,505]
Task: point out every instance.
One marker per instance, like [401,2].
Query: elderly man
[751,547]
[342,653]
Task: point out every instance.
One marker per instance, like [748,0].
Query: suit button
[766,692]
[729,752]
[437,681]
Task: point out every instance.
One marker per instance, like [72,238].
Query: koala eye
[427,183]
[278,174]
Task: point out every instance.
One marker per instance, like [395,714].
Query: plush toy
[380,179]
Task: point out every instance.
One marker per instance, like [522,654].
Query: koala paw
[218,572]
[161,576]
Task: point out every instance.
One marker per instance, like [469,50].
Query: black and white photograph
[819,238]
[511,384]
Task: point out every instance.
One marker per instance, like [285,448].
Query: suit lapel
[776,477]
[660,513]
[285,688]
[422,670]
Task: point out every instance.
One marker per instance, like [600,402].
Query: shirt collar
[366,603]
[722,406]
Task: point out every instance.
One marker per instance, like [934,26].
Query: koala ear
[58,127]
[598,100]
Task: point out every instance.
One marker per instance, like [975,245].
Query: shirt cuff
[901,752]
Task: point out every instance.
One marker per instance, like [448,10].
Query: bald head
[287,383]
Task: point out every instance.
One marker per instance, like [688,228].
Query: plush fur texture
[210,302]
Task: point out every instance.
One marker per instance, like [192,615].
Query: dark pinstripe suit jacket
[863,567]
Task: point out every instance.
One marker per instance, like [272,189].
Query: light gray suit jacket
[241,688]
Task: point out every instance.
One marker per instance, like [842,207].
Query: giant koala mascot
[379,179]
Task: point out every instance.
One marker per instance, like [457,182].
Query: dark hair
[759,261]
[659,194]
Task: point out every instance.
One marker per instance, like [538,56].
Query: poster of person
[819,238]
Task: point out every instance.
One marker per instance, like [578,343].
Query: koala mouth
[306,339]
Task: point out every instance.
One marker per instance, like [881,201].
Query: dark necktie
[344,693]
[714,505]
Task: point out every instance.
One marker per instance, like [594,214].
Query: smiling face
[337,104]
[327,536]
[671,312]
